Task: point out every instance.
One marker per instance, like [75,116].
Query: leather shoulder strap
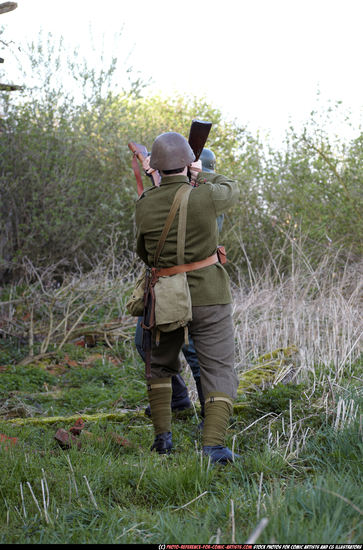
[182,225]
[186,188]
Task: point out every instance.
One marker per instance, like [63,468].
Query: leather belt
[183,268]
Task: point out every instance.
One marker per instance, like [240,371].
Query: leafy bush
[67,191]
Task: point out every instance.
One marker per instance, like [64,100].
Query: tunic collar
[166,180]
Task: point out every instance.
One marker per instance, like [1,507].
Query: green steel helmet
[171,151]
[208,159]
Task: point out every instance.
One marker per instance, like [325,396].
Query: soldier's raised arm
[224,191]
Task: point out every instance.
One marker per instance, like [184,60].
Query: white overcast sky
[261,62]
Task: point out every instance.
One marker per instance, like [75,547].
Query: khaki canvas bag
[135,305]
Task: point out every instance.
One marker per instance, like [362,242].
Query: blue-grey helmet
[208,159]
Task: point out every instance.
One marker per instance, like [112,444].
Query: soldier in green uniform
[180,398]
[211,327]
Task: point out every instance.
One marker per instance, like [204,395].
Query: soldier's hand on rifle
[194,170]
[146,166]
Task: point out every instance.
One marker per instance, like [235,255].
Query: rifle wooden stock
[139,150]
[198,135]
[140,153]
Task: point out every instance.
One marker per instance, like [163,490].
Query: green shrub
[67,190]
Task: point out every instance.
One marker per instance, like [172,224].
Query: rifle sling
[139,184]
[182,226]
[183,191]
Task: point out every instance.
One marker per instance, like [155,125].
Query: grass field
[297,424]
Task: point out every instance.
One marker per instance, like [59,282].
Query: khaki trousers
[213,337]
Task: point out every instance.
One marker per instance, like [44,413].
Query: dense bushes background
[67,190]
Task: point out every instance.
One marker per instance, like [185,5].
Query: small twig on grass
[74,479]
[287,462]
[233,444]
[34,358]
[217,537]
[259,495]
[46,486]
[22,499]
[70,488]
[342,498]
[257,532]
[46,341]
[75,324]
[290,442]
[47,518]
[233,523]
[138,484]
[9,302]
[190,502]
[31,332]
[258,419]
[34,497]
[90,493]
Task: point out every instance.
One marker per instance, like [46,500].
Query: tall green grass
[105,494]
[298,431]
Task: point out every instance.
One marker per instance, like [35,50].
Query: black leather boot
[162,443]
[220,454]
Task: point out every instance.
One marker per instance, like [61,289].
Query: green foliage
[277,398]
[22,378]
[312,189]
[67,191]
[11,351]
[68,381]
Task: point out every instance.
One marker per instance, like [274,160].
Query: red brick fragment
[66,440]
[120,440]
[78,427]
[6,439]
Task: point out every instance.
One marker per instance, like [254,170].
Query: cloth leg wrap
[218,409]
[159,393]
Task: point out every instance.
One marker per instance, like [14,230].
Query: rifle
[198,135]
[140,153]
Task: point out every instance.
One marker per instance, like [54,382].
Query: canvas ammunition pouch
[135,305]
[173,304]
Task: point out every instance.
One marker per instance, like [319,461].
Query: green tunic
[215,193]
